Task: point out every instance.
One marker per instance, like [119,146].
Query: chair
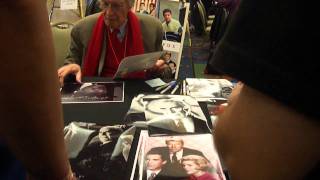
[92,7]
[61,39]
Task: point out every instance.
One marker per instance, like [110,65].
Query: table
[105,113]
[113,112]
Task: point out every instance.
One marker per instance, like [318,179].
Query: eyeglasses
[114,7]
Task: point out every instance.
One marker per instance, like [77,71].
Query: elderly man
[99,42]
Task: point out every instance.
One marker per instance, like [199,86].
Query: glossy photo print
[98,152]
[179,157]
[92,92]
[169,114]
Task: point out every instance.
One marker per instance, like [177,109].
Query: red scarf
[134,44]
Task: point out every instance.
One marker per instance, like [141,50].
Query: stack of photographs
[176,158]
[92,92]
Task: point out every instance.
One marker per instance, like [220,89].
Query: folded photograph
[137,63]
[175,114]
[92,92]
[209,89]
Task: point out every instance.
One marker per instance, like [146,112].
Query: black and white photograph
[209,89]
[175,114]
[92,92]
[180,158]
[98,152]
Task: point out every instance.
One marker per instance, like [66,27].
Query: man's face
[167,57]
[142,7]
[95,90]
[104,135]
[167,16]
[154,162]
[151,7]
[174,146]
[191,167]
[116,12]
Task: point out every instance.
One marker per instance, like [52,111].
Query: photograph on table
[209,89]
[180,158]
[92,92]
[168,114]
[98,151]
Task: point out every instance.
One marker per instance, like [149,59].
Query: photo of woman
[198,167]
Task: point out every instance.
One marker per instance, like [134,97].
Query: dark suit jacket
[162,175]
[175,170]
[186,152]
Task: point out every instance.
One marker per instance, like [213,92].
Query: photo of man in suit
[94,160]
[175,114]
[173,153]
[155,165]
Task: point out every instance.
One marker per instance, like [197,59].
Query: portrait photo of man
[175,113]
[91,92]
[94,160]
[155,165]
[171,27]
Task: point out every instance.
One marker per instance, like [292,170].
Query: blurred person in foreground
[99,42]
[270,129]
[31,131]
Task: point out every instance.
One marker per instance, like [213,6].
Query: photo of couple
[177,158]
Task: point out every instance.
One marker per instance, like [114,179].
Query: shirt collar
[149,172]
[122,29]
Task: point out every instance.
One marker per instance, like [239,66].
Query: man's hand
[69,69]
[158,67]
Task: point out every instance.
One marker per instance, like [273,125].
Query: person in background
[223,14]
[170,24]
[99,42]
[271,128]
[31,130]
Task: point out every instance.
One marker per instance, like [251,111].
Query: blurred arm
[30,110]
[260,138]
